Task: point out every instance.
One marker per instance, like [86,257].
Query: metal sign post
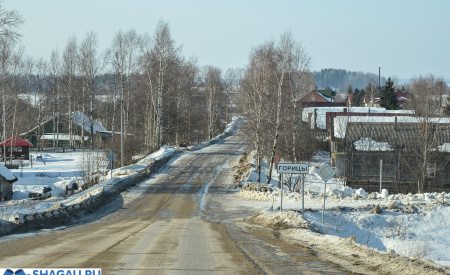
[281,185]
[111,156]
[293,168]
[303,195]
[326,173]
[381,173]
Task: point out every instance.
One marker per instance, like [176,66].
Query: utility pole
[121,132]
[379,77]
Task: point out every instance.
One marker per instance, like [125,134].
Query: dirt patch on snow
[345,253]
[359,258]
[242,168]
[279,220]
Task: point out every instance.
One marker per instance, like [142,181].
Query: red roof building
[15,147]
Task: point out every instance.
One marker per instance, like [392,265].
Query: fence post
[381,173]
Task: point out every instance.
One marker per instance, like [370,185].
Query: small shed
[7,179]
[20,148]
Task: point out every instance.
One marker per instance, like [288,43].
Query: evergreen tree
[349,90]
[388,97]
[358,98]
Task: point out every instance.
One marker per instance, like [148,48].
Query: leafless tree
[425,157]
[164,52]
[277,77]
[55,94]
[69,74]
[41,71]
[91,65]
[428,91]
[301,82]
[256,88]
[282,56]
[231,77]
[123,57]
[10,21]
[213,94]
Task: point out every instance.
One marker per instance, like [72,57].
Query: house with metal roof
[64,131]
[401,154]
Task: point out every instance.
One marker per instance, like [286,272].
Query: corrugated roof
[400,135]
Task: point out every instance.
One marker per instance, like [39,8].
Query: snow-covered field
[54,170]
[411,225]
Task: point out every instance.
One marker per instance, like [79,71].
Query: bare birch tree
[425,158]
[41,70]
[55,93]
[283,54]
[164,52]
[301,82]
[69,73]
[10,21]
[256,97]
[213,91]
[91,64]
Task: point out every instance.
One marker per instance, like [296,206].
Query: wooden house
[407,156]
[16,148]
[64,131]
[320,98]
[7,179]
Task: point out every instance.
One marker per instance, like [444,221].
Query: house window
[431,170]
[17,149]
[313,98]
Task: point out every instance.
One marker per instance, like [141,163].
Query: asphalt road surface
[177,226]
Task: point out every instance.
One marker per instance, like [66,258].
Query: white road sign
[326,172]
[293,168]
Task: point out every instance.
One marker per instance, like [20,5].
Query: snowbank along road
[164,226]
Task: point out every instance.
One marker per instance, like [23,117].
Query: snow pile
[368,144]
[279,220]
[163,152]
[59,188]
[6,173]
[133,169]
[418,234]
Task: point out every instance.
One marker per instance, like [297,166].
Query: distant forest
[340,79]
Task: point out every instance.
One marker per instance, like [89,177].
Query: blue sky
[405,37]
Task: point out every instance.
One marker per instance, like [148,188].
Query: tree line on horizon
[339,79]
